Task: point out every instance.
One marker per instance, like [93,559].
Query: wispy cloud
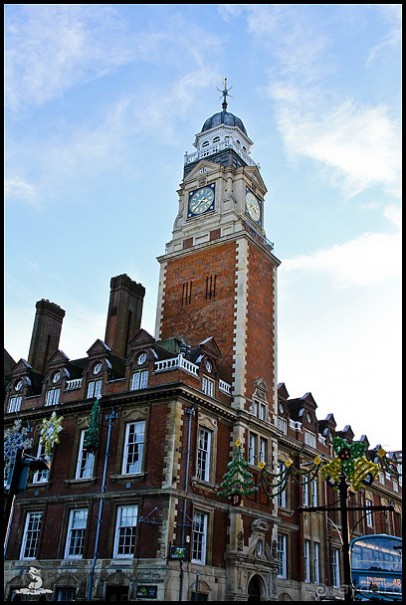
[19,189]
[368,260]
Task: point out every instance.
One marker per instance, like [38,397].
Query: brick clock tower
[218,274]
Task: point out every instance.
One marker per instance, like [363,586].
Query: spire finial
[225,93]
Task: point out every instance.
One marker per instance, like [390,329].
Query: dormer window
[259,409]
[94,388]
[14,404]
[52,396]
[208,386]
[139,380]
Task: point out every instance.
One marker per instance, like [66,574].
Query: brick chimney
[46,334]
[124,313]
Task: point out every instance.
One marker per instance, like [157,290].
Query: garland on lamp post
[274,484]
[351,462]
[238,481]
[92,438]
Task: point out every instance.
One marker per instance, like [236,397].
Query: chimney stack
[124,313]
[46,334]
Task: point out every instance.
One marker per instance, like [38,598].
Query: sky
[103,100]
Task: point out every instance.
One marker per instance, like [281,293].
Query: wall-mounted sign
[145,591]
[178,553]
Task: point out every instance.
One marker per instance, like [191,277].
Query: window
[305,494]
[282,494]
[40,476]
[314,492]
[133,447]
[94,388]
[139,380]
[14,404]
[203,454]
[310,439]
[252,448]
[31,533]
[76,533]
[307,561]
[282,425]
[262,450]
[199,537]
[85,461]
[316,563]
[369,516]
[282,556]
[260,409]
[124,539]
[52,396]
[335,565]
[65,594]
[208,386]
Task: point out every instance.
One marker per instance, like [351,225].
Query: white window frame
[282,556]
[126,528]
[129,443]
[306,566]
[52,396]
[252,448]
[139,380]
[316,562]
[204,448]
[94,388]
[306,494]
[368,514]
[85,460]
[31,534]
[41,475]
[335,565]
[314,492]
[208,386]
[199,537]
[14,404]
[75,536]
[282,496]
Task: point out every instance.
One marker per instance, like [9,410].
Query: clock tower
[218,274]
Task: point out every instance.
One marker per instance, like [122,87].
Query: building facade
[139,515]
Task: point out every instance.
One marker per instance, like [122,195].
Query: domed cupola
[223,139]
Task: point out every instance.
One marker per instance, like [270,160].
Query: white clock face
[18,385]
[56,377]
[142,358]
[252,206]
[97,368]
[208,365]
[200,201]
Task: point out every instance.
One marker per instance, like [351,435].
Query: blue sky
[101,103]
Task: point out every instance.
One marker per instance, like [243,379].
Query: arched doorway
[254,589]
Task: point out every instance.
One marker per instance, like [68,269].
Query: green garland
[92,438]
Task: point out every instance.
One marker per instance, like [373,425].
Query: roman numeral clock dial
[201,200]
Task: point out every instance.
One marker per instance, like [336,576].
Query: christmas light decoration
[50,432]
[92,438]
[15,438]
[238,481]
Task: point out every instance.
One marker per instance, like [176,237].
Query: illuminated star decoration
[238,480]
[15,438]
[50,432]
[351,462]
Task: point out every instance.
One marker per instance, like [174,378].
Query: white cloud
[368,260]
[20,189]
[361,145]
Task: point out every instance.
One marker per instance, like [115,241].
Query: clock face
[97,368]
[56,377]
[252,206]
[200,201]
[142,358]
[208,365]
[19,385]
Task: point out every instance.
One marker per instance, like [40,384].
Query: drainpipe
[110,417]
[190,413]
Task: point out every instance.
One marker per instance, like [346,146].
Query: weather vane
[225,93]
